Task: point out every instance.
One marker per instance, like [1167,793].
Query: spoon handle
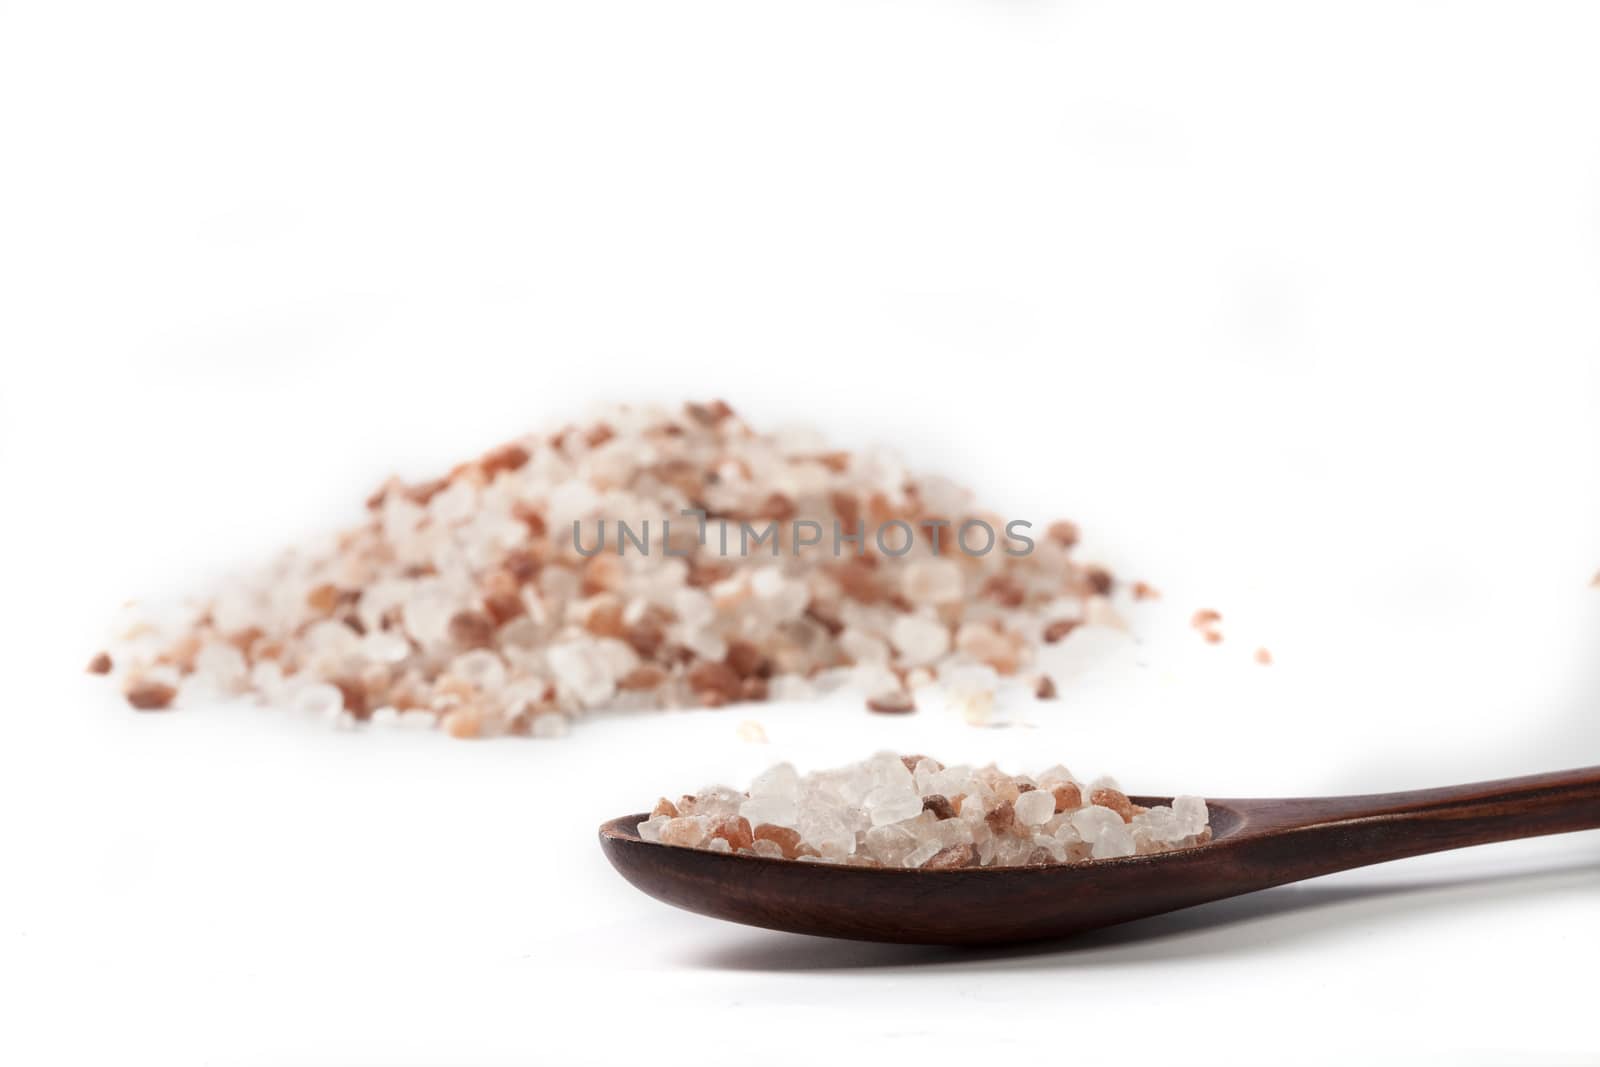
[1319,835]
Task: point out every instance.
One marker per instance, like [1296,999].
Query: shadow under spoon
[1256,844]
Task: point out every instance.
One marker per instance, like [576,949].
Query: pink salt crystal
[471,629]
[147,695]
[1000,818]
[989,645]
[939,805]
[686,831]
[1059,628]
[464,722]
[1114,799]
[1068,797]
[951,858]
[733,829]
[897,702]
[784,839]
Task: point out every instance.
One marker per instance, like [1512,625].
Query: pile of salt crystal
[467,601]
[913,811]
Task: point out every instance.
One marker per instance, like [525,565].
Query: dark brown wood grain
[1256,844]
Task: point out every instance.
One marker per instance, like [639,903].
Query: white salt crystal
[1114,841]
[331,639]
[694,608]
[1035,808]
[1058,854]
[384,646]
[931,581]
[320,699]
[1192,814]
[1093,821]
[919,639]
[1105,781]
[583,671]
[480,668]
[950,781]
[888,769]
[780,780]
[970,691]
[549,725]
[1056,775]
[427,617]
[1098,611]
[953,832]
[617,657]
[782,598]
[874,679]
[889,845]
[455,504]
[791,687]
[887,804]
[827,833]
[222,667]
[1160,824]
[266,678]
[1012,851]
[774,809]
[863,647]
[718,800]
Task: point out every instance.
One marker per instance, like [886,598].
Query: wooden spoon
[1255,844]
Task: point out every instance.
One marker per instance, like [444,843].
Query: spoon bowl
[1255,844]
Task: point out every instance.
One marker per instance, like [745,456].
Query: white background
[1292,307]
